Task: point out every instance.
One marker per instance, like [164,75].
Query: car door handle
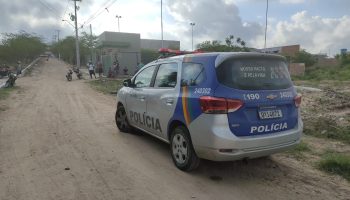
[169,101]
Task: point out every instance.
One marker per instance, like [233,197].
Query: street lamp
[118,17]
[192,25]
[63,20]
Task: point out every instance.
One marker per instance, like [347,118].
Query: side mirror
[127,83]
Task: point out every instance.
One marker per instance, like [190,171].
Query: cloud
[214,20]
[315,34]
[37,16]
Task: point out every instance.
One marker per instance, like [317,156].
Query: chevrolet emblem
[271,96]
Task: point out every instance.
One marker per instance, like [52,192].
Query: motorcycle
[11,81]
[69,75]
[78,73]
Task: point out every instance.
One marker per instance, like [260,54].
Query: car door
[162,99]
[137,97]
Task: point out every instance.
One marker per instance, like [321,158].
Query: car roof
[221,56]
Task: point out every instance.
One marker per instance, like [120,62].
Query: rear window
[254,74]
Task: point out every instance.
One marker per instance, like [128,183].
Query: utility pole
[161,20]
[76,33]
[91,42]
[58,35]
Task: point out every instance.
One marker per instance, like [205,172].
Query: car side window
[144,78]
[167,75]
[192,74]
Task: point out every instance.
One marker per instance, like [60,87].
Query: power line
[96,14]
[51,9]
[65,9]
[99,10]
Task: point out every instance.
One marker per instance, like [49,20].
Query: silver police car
[215,106]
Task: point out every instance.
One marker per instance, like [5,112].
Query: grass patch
[317,73]
[107,86]
[326,127]
[336,163]
[298,150]
[5,92]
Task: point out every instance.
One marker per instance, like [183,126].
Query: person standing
[99,68]
[91,69]
[19,68]
[117,68]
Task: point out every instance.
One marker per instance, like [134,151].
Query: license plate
[270,114]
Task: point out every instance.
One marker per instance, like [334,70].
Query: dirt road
[58,140]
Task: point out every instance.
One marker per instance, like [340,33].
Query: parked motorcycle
[69,75]
[78,73]
[11,81]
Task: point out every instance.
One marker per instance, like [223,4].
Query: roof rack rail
[166,52]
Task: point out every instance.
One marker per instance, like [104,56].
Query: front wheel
[121,119]
[182,151]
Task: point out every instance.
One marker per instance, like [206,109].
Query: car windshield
[254,74]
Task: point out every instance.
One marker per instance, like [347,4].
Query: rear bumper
[211,133]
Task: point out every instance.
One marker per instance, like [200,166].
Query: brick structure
[290,50]
[296,69]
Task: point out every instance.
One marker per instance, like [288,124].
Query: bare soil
[58,140]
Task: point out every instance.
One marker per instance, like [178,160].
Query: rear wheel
[121,119]
[182,151]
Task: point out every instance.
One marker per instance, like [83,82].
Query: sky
[319,26]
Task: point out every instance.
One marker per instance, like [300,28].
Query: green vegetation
[232,44]
[298,150]
[326,127]
[303,57]
[148,55]
[5,92]
[317,73]
[66,48]
[107,86]
[20,46]
[344,59]
[336,163]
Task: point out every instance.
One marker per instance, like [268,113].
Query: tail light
[297,100]
[213,105]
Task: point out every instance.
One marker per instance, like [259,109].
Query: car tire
[121,120]
[182,150]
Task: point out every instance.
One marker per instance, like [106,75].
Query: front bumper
[213,140]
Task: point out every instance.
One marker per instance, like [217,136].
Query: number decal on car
[202,90]
[251,96]
[286,95]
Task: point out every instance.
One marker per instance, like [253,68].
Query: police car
[215,106]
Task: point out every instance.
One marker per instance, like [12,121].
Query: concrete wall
[124,47]
[157,44]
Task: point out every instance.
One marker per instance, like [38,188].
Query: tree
[148,55]
[304,57]
[66,48]
[20,46]
[231,45]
